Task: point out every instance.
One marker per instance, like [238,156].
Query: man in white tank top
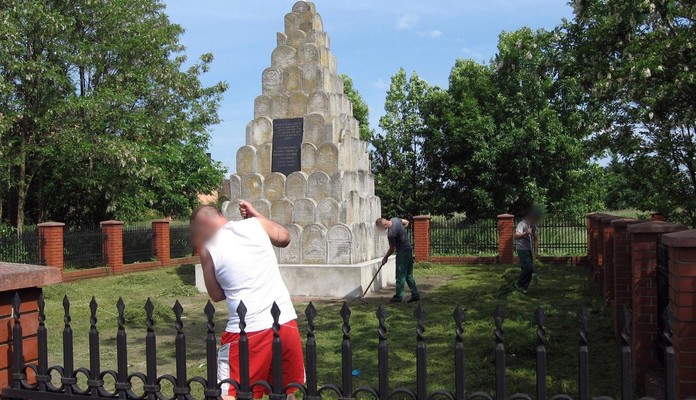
[239,264]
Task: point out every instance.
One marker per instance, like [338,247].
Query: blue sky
[371,39]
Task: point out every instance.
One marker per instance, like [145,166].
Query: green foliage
[397,157]
[361,111]
[637,60]
[101,117]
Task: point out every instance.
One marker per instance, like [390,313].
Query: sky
[371,39]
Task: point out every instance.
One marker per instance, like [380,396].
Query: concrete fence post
[51,244]
[161,245]
[682,299]
[506,243]
[113,245]
[644,238]
[421,237]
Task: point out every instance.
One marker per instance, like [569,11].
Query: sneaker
[395,300]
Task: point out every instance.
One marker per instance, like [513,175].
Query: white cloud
[407,21]
[434,34]
[472,54]
[380,84]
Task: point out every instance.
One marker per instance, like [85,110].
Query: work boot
[395,300]
[413,299]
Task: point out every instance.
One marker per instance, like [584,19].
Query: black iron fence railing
[180,241]
[22,248]
[68,382]
[560,236]
[83,248]
[138,244]
[458,236]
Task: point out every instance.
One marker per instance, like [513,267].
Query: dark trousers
[404,273]
[527,268]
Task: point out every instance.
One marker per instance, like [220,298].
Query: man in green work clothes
[399,242]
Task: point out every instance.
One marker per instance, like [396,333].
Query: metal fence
[20,248]
[560,236]
[83,247]
[137,244]
[70,388]
[460,236]
[180,241]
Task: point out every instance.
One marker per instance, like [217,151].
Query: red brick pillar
[113,245]
[421,237]
[161,248]
[506,242]
[51,244]
[623,270]
[598,244]
[644,238]
[607,272]
[657,217]
[682,299]
[25,281]
[590,245]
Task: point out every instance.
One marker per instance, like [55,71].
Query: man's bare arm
[405,223]
[211,284]
[280,237]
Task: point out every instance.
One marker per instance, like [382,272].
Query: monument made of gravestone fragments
[305,165]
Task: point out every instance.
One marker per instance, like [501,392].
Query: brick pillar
[598,244]
[590,245]
[25,281]
[51,244]
[506,243]
[113,245]
[623,270]
[644,238]
[657,217]
[682,299]
[421,237]
[607,272]
[161,246]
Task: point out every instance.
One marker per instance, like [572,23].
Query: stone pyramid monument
[304,164]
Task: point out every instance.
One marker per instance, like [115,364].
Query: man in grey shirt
[526,236]
[399,242]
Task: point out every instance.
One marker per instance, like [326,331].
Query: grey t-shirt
[526,242]
[397,235]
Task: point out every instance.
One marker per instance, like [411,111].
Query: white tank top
[247,270]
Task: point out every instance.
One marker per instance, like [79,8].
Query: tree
[361,111]
[103,115]
[637,59]
[396,156]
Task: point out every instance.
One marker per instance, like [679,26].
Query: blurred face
[203,228]
[384,223]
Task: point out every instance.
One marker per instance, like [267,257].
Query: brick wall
[682,297]
[607,271]
[421,237]
[113,246]
[622,291]
[51,244]
[506,242]
[161,245]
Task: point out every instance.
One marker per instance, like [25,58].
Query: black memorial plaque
[287,145]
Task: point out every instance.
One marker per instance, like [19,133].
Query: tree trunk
[21,190]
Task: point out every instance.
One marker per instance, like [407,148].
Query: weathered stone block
[314,129]
[281,39]
[230,209]
[328,212]
[262,106]
[296,186]
[263,206]
[283,57]
[274,186]
[309,157]
[336,186]
[263,154]
[252,187]
[314,246]
[235,187]
[304,212]
[318,103]
[298,105]
[296,39]
[293,253]
[247,163]
[327,158]
[272,80]
[259,131]
[312,78]
[281,211]
[318,185]
[308,53]
[292,79]
[340,245]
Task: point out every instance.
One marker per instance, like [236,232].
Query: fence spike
[150,386]
[346,354]
[382,354]
[540,317]
[68,364]
[311,353]
[626,356]
[244,384]
[277,357]
[18,374]
[669,356]
[123,385]
[498,318]
[211,390]
[42,337]
[459,355]
[181,389]
[421,354]
[583,355]
[94,356]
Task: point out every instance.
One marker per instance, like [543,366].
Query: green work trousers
[404,273]
[527,268]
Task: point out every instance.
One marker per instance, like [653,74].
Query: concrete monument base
[336,281]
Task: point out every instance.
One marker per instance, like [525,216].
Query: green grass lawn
[477,289]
